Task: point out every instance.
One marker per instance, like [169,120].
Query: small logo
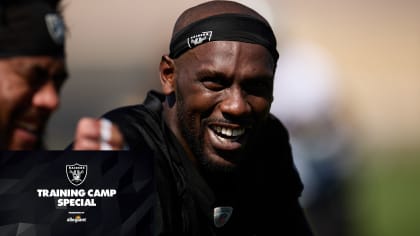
[222,215]
[76,217]
[55,26]
[76,173]
[198,39]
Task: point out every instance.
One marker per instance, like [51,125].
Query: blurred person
[32,70]
[224,164]
[306,101]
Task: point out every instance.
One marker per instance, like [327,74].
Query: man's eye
[215,84]
[259,87]
[59,81]
[37,77]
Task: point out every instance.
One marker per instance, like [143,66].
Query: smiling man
[32,70]
[224,164]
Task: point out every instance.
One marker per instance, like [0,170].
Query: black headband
[224,27]
[31,29]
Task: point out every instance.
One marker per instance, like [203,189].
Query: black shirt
[267,186]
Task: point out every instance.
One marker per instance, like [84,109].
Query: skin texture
[29,93]
[220,92]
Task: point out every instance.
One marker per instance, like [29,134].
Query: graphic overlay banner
[48,193]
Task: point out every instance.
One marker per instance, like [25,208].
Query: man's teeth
[229,132]
[29,127]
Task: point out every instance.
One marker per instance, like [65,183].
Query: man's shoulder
[275,155]
[149,109]
[274,130]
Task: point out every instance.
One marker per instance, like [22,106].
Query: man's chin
[217,164]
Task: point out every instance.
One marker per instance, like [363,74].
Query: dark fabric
[265,199]
[224,27]
[25,212]
[31,28]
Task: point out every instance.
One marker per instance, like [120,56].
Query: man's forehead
[220,57]
[225,50]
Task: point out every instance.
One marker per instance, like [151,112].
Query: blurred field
[384,196]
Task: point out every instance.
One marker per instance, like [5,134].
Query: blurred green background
[384,195]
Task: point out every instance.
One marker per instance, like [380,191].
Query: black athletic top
[264,199]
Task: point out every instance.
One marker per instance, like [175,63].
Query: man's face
[29,88]
[223,93]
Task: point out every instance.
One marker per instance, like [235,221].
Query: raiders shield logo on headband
[55,26]
[222,215]
[76,173]
[198,39]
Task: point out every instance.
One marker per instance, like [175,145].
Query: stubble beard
[206,164]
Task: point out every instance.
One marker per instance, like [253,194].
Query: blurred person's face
[29,88]
[223,92]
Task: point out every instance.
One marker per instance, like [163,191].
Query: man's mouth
[28,127]
[227,137]
[225,142]
[227,133]
[26,134]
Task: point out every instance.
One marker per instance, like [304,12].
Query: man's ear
[166,72]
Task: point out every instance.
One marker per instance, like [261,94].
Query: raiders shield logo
[76,173]
[198,39]
[56,28]
[221,215]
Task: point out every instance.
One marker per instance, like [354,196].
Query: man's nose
[235,103]
[47,97]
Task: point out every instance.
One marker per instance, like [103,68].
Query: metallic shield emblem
[56,28]
[76,173]
[198,39]
[222,215]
